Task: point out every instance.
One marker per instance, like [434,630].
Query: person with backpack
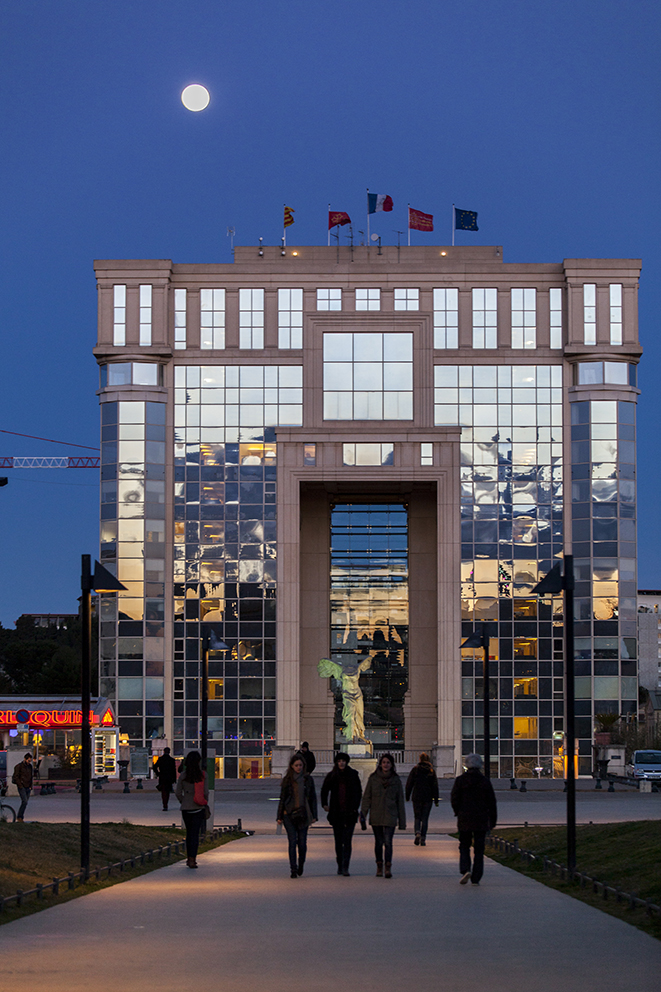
[192,792]
[422,786]
[297,810]
[474,804]
[340,797]
[383,799]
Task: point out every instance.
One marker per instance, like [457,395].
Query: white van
[645,765]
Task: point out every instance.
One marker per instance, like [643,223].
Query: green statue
[352,695]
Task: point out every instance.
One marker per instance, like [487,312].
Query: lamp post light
[100,581]
[553,582]
[480,639]
[209,641]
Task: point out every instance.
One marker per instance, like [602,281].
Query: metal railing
[70,880]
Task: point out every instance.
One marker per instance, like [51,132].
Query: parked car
[645,764]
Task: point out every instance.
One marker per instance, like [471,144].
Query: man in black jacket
[308,757]
[474,804]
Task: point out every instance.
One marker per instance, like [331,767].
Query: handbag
[299,816]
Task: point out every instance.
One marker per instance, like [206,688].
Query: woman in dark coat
[166,770]
[340,796]
[383,798]
[422,786]
[297,809]
[474,803]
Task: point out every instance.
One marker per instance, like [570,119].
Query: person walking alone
[192,792]
[297,809]
[422,786]
[166,770]
[474,804]
[340,797]
[308,757]
[383,799]
[22,779]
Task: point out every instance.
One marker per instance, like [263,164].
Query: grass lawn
[32,853]
[624,855]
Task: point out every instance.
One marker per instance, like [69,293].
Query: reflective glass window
[368,376]
[615,299]
[367,454]
[329,299]
[212,319]
[180,319]
[407,299]
[290,318]
[589,313]
[426,453]
[251,318]
[119,315]
[590,373]
[524,318]
[485,318]
[145,315]
[616,373]
[555,313]
[368,299]
[446,318]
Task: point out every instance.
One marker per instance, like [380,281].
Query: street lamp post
[480,639]
[100,581]
[555,582]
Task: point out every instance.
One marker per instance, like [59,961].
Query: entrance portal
[369,612]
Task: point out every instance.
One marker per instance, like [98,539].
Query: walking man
[166,770]
[22,778]
[474,804]
[308,757]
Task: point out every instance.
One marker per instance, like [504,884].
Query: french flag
[378,201]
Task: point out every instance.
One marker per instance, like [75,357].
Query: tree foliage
[43,660]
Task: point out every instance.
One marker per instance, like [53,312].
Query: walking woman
[192,792]
[383,798]
[340,797]
[422,785]
[297,809]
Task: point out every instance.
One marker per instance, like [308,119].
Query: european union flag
[465,220]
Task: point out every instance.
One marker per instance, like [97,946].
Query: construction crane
[37,461]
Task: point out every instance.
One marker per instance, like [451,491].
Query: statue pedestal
[364,766]
[363,750]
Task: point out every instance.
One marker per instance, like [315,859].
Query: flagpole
[453,219]
[329,225]
[409,206]
[368,217]
[284,229]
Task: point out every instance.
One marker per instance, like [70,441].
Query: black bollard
[523,787]
[611,787]
[44,789]
[97,785]
[139,785]
[598,784]
[513,784]
[126,787]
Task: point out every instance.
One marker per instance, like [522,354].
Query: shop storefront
[50,727]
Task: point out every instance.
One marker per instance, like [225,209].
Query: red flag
[336,218]
[419,221]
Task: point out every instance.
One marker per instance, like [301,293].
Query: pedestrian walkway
[241,924]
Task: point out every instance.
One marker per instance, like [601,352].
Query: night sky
[543,117]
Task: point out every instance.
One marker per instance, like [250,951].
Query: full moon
[195,97]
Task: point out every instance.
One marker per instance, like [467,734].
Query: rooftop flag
[419,221]
[289,216]
[336,218]
[378,201]
[465,220]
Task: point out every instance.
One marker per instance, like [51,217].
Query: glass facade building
[301,472]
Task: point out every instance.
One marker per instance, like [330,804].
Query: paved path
[240,924]
[254,803]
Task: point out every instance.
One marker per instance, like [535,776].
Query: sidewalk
[240,924]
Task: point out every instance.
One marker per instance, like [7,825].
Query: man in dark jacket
[474,804]
[422,785]
[308,757]
[166,770]
[22,779]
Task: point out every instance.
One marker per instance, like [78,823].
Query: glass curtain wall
[511,532]
[604,533]
[224,554]
[369,613]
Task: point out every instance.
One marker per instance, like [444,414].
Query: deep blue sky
[543,117]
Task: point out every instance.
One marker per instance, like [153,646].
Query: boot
[388,871]
[379,869]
